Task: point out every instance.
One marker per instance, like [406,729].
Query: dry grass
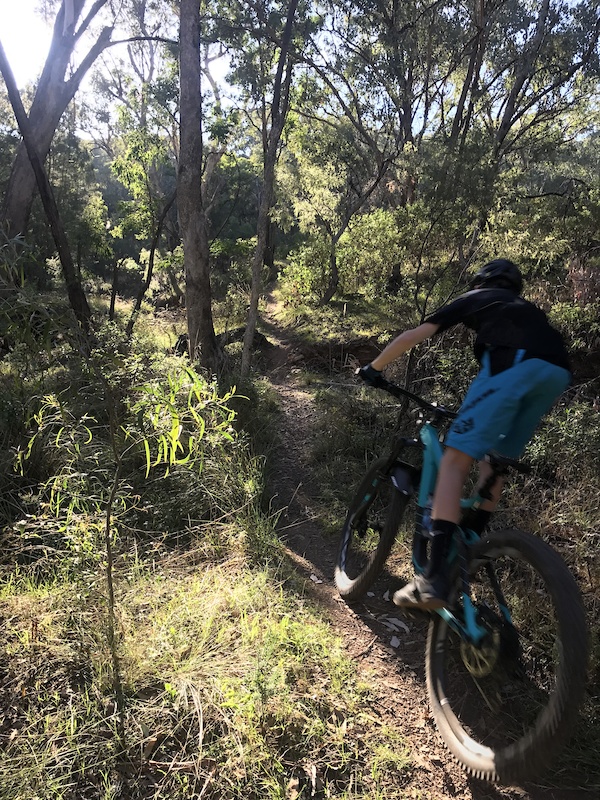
[232,687]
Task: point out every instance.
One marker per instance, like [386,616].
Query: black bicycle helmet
[500,273]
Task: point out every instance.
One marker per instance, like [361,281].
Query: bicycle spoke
[512,688]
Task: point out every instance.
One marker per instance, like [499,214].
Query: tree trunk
[269,254]
[279,108]
[149,272]
[257,261]
[192,215]
[114,288]
[75,291]
[334,277]
[523,73]
[52,97]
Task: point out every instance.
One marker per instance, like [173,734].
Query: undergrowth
[155,642]
[233,688]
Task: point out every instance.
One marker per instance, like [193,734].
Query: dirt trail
[395,673]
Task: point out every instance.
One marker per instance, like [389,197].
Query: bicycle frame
[403,477]
[475,648]
[432,450]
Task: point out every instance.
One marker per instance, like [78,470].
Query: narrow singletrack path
[387,647]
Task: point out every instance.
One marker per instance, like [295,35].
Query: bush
[306,275]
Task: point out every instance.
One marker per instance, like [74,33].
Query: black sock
[442,532]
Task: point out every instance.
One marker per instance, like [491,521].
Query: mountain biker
[524,367]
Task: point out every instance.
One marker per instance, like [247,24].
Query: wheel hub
[481,659]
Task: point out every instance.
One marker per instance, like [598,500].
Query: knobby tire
[538,680]
[360,560]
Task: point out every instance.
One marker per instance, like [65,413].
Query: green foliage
[234,210]
[139,167]
[231,265]
[368,252]
[398,256]
[173,411]
[81,205]
[174,424]
[569,445]
[580,325]
[305,275]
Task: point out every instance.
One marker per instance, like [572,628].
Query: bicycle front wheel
[505,707]
[369,532]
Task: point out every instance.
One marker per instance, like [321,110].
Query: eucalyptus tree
[61,77]
[57,85]
[191,191]
[468,88]
[9,139]
[74,288]
[525,66]
[134,122]
[263,37]
[372,76]
[79,198]
[363,86]
[329,175]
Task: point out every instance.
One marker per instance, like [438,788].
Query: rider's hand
[370,375]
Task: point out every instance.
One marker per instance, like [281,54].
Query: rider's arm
[403,343]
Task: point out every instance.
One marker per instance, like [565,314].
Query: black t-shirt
[504,322]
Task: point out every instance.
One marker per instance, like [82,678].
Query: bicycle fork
[470,629]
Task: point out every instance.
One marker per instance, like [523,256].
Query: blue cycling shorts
[501,412]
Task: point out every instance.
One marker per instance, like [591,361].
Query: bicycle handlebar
[499,463]
[399,392]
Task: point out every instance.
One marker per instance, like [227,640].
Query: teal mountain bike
[506,660]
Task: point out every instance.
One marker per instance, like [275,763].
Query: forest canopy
[389,145]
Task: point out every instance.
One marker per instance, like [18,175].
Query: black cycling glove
[368,374]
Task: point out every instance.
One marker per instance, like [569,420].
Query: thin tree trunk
[52,97]
[149,272]
[114,289]
[75,291]
[279,108]
[174,284]
[334,277]
[461,119]
[523,73]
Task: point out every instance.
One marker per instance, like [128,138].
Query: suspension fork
[469,628]
[403,476]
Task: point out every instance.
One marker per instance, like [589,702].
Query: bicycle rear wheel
[369,531]
[505,707]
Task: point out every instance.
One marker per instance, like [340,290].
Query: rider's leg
[485,470]
[454,468]
[499,412]
[446,512]
[430,591]
[477,519]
